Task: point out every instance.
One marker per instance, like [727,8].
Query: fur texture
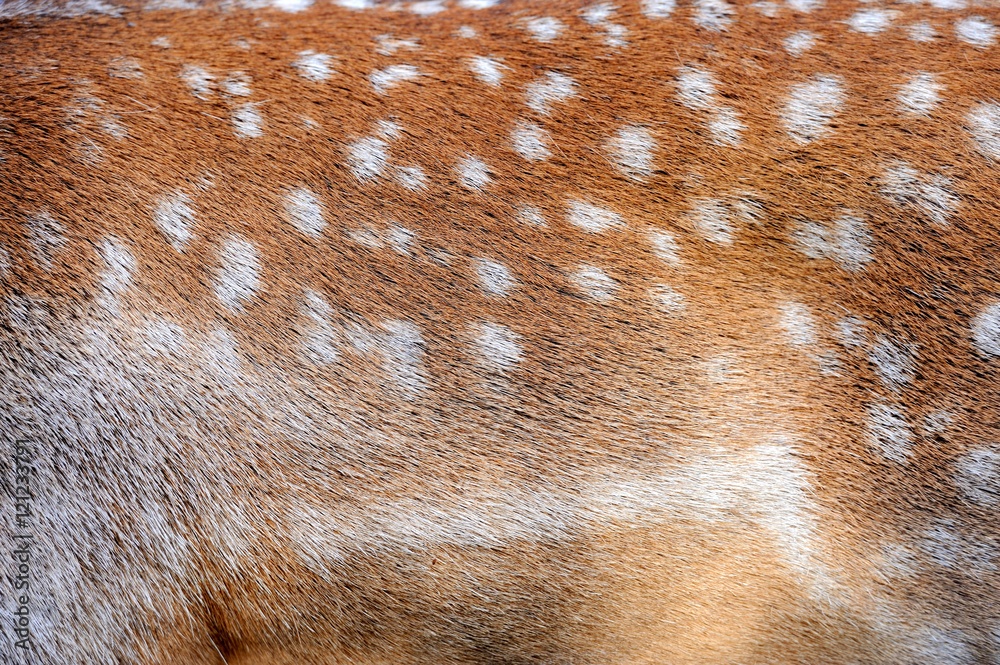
[475,331]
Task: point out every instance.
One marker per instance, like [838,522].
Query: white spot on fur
[477,4]
[320,344]
[937,422]
[950,546]
[894,364]
[163,338]
[712,220]
[847,241]
[313,66]
[467,32]
[720,368]
[544,29]
[811,106]
[440,256]
[113,128]
[426,7]
[614,35]
[767,8]
[595,283]
[388,45]
[46,236]
[494,277]
[668,299]
[599,13]
[306,212]
[977,475]
[804,6]
[713,14]
[696,88]
[531,216]
[930,195]
[368,157]
[238,279]
[779,483]
[921,31]
[388,129]
[174,217]
[85,104]
[768,481]
[473,173]
[631,150]
[531,141]
[986,330]
[402,350]
[551,88]
[400,239]
[852,331]
[592,218]
[237,84]
[871,21]
[798,324]
[600,16]
[292,6]
[658,8]
[247,122]
[920,94]
[725,126]
[411,177]
[385,79]
[198,80]
[125,68]
[984,124]
[889,433]
[799,43]
[120,265]
[487,70]
[665,247]
[497,344]
[356,5]
[976,30]
[367,237]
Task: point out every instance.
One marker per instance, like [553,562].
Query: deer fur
[489,331]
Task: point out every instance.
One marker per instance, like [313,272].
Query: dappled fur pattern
[502,332]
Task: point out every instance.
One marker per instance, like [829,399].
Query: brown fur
[283,510]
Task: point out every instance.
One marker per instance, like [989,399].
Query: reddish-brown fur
[637,483]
